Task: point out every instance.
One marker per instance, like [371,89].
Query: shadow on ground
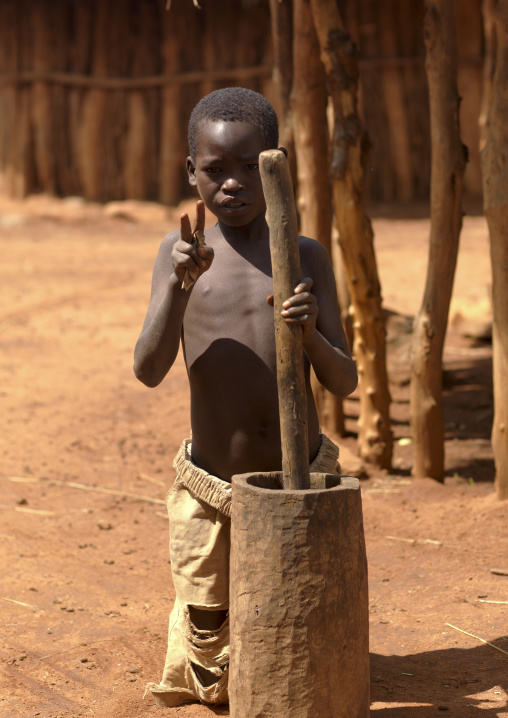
[448,681]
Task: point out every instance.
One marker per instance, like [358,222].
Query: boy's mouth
[230,203]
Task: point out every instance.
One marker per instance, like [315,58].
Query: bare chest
[229,303]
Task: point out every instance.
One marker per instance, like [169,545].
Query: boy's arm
[315,307]
[159,341]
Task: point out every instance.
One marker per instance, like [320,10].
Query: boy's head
[234,104]
[228,130]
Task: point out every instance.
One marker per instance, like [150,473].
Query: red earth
[87,459]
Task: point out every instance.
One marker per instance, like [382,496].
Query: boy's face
[226,171]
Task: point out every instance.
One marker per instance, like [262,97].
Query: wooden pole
[311,137]
[339,56]
[448,163]
[281,212]
[281,16]
[489,64]
[495,182]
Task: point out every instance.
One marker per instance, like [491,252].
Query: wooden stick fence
[95,96]
[134,83]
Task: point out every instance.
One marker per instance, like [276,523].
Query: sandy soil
[87,459]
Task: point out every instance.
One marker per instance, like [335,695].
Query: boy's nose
[231,185]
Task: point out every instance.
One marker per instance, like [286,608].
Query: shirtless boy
[225,325]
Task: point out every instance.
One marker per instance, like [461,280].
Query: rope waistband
[204,486]
[217,493]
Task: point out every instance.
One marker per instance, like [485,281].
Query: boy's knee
[207,619]
[208,660]
[205,677]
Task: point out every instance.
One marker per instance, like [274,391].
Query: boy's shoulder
[163,262]
[170,239]
[311,245]
[312,250]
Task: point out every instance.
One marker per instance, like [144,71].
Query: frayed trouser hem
[165,697]
[189,647]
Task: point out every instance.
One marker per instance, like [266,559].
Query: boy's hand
[301,308]
[185,255]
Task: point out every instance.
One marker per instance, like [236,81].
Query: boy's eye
[211,170]
[253,166]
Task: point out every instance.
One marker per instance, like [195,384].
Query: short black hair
[235,104]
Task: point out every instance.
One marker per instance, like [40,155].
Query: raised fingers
[199,219]
[184,254]
[185,228]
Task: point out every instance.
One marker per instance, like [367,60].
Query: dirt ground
[87,459]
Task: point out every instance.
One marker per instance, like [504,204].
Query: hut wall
[95,96]
[394,94]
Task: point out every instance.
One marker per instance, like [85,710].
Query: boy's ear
[191,172]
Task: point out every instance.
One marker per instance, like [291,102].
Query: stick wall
[95,95]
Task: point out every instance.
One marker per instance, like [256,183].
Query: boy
[225,324]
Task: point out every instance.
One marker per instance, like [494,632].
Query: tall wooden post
[448,163]
[311,134]
[339,57]
[495,184]
[281,16]
[489,64]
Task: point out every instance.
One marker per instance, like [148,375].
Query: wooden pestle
[282,221]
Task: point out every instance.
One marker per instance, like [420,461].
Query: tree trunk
[310,127]
[495,182]
[281,13]
[308,102]
[489,63]
[343,293]
[339,57]
[448,163]
[330,408]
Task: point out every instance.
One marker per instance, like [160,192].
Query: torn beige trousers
[199,508]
